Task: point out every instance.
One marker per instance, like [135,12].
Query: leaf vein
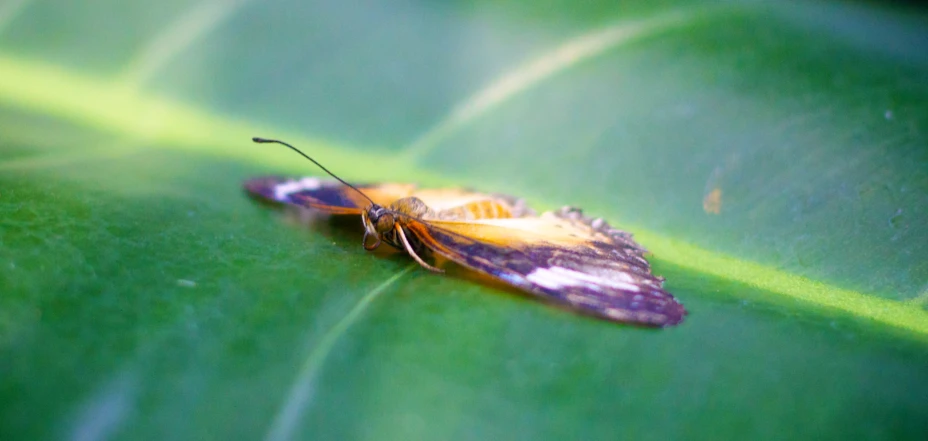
[299,395]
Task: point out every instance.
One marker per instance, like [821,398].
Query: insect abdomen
[482,209]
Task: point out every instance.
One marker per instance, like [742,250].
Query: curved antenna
[274,141]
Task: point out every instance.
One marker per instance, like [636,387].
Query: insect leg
[367,232]
[373,246]
[412,253]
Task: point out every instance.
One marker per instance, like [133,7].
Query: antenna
[274,141]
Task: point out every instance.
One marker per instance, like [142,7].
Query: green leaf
[771,156]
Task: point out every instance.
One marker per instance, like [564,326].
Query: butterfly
[561,257]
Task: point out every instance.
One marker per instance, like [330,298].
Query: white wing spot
[625,277]
[618,314]
[513,279]
[558,277]
[281,191]
[548,279]
[576,298]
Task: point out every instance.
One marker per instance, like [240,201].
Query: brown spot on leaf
[712,203]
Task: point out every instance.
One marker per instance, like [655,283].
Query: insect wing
[562,258]
[326,195]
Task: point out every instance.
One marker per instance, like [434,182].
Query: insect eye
[384,223]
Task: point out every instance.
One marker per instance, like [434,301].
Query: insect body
[562,257]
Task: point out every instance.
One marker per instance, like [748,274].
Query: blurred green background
[772,156]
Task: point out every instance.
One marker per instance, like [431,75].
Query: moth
[561,257]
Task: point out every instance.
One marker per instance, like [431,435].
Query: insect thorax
[414,207]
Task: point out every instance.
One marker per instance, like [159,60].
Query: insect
[561,257]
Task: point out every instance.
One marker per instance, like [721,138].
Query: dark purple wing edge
[304,192]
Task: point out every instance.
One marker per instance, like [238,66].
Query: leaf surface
[772,158]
